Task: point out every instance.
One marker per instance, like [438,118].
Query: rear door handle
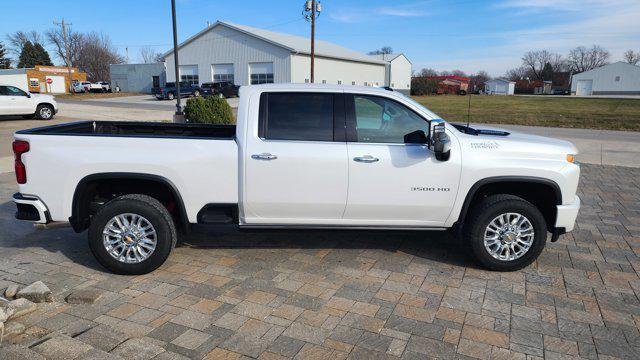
[366,159]
[263,156]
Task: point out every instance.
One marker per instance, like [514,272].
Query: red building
[450,84]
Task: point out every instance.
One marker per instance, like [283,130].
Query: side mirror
[27,95]
[440,142]
[416,137]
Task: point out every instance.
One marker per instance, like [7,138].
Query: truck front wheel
[506,232]
[132,234]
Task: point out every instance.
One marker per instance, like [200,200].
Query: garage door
[57,85]
[261,73]
[584,87]
[222,72]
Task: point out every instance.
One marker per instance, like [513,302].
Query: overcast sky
[470,35]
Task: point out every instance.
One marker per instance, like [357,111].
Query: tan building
[42,79]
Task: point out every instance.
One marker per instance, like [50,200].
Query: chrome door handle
[366,159]
[263,156]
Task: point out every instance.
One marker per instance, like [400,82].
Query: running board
[340,227]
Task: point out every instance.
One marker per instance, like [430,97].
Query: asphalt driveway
[340,294]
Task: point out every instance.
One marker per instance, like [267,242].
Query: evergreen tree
[5,63]
[32,55]
[547,72]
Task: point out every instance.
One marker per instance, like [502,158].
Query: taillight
[20,147]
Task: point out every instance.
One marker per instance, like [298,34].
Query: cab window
[13,91]
[381,120]
[297,116]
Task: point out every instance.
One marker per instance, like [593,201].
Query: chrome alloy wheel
[129,238]
[508,236]
[46,113]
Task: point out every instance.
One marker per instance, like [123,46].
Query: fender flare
[79,222]
[498,179]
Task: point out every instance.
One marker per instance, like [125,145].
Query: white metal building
[398,71]
[246,55]
[619,78]
[499,87]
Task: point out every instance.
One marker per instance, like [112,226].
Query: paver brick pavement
[339,294]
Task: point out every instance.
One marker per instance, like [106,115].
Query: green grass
[607,114]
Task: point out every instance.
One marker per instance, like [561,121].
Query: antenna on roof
[469,110]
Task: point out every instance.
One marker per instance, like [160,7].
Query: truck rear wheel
[132,234]
[507,233]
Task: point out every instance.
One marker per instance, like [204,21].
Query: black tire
[488,209]
[44,112]
[154,212]
[170,96]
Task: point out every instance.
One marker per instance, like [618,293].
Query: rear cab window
[301,116]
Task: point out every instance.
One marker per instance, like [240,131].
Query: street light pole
[179,115]
[312,9]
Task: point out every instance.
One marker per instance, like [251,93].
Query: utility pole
[311,11]
[179,115]
[67,50]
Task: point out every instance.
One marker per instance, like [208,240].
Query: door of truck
[390,182]
[295,163]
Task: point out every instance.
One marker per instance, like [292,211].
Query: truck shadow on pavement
[22,243]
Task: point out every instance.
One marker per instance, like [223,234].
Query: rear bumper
[567,215]
[30,208]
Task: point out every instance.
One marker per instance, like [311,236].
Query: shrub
[211,110]
[423,86]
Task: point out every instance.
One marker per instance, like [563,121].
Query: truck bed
[136,129]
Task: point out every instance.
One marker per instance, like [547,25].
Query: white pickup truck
[300,156]
[15,101]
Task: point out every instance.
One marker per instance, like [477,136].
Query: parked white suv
[300,156]
[14,101]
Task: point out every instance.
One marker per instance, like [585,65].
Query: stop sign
[49,81]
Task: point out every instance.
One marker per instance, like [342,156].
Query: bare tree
[19,38]
[518,73]
[632,57]
[149,55]
[535,61]
[385,50]
[74,42]
[96,54]
[478,80]
[582,59]
[426,72]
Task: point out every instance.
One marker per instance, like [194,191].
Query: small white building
[499,87]
[619,78]
[398,71]
[247,55]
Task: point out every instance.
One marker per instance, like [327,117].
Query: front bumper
[567,214]
[30,208]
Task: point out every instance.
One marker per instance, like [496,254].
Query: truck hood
[520,142]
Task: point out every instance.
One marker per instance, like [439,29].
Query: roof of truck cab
[311,87]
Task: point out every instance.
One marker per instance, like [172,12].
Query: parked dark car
[225,88]
[561,92]
[169,91]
